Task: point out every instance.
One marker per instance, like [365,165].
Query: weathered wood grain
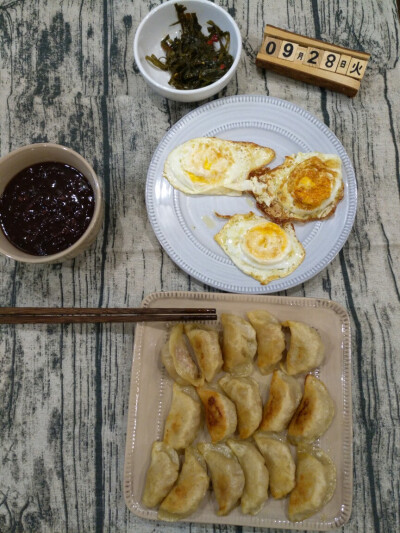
[67,75]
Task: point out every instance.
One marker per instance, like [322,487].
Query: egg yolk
[266,243]
[209,164]
[310,183]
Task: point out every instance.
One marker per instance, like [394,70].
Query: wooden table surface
[67,75]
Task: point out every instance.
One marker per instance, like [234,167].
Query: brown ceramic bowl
[26,156]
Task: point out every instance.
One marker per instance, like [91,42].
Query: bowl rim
[188,92]
[97,213]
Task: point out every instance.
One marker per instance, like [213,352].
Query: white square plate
[150,396]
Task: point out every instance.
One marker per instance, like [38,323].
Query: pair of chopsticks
[68,315]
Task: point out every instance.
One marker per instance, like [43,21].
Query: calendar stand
[312,61]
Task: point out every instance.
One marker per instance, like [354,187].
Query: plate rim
[347,483]
[281,284]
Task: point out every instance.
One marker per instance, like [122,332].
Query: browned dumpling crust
[184,365]
[285,393]
[207,349]
[306,351]
[227,476]
[239,344]
[169,365]
[220,413]
[270,340]
[256,476]
[279,461]
[315,483]
[184,418]
[190,489]
[245,394]
[161,474]
[314,414]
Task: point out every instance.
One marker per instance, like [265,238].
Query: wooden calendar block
[343,65]
[272,47]
[356,68]
[300,54]
[288,50]
[330,61]
[312,60]
[313,57]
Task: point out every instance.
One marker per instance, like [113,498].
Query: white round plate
[185,225]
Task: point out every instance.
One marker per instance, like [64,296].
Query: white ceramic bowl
[157,24]
[26,156]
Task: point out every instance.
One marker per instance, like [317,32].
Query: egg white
[260,248]
[209,165]
[275,198]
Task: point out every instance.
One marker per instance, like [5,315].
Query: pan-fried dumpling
[306,350]
[245,394]
[161,475]
[184,418]
[190,489]
[227,476]
[315,483]
[184,365]
[314,414]
[220,412]
[284,397]
[256,476]
[270,340]
[206,347]
[239,345]
[168,362]
[280,463]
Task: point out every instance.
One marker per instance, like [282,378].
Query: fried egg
[208,165]
[260,248]
[307,186]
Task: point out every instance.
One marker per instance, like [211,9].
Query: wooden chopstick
[104,310]
[64,315]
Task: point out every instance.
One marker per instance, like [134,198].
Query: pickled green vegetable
[194,60]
